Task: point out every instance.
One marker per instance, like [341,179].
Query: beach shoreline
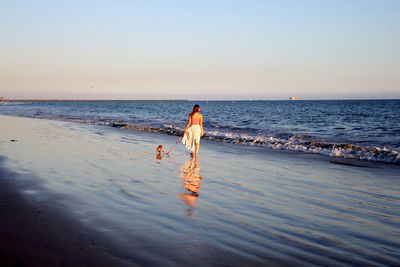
[323,131]
[82,194]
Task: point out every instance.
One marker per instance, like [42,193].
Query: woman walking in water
[193,131]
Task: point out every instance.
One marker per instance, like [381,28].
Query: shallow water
[359,129]
[237,205]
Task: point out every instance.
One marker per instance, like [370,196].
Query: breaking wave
[299,143]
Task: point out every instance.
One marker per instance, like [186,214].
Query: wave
[299,143]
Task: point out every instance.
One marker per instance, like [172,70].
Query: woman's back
[196,119]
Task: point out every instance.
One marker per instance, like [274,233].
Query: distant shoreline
[169,100]
[93,99]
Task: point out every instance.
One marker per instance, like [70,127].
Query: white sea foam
[299,143]
[342,150]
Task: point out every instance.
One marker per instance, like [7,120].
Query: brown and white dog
[159,149]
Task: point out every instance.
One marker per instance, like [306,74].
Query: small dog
[159,149]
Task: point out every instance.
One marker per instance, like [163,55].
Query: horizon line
[69,99]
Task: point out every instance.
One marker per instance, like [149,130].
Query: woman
[193,131]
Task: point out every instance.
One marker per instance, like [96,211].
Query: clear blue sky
[200,49]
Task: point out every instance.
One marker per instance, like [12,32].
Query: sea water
[358,129]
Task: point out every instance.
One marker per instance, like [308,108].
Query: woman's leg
[197,148]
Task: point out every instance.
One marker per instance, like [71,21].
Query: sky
[209,49]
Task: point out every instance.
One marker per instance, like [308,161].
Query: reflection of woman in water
[191,181]
[193,131]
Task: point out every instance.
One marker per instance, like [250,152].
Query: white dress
[192,137]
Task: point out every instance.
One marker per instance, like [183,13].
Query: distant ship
[294,98]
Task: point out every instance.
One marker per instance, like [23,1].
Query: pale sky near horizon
[210,49]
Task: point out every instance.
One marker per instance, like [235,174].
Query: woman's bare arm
[201,125]
[188,123]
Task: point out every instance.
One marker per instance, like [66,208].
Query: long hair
[196,108]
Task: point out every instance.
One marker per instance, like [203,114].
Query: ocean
[356,129]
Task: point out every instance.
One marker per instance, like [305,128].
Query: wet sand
[85,195]
[33,236]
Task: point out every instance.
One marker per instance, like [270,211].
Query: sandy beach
[86,195]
